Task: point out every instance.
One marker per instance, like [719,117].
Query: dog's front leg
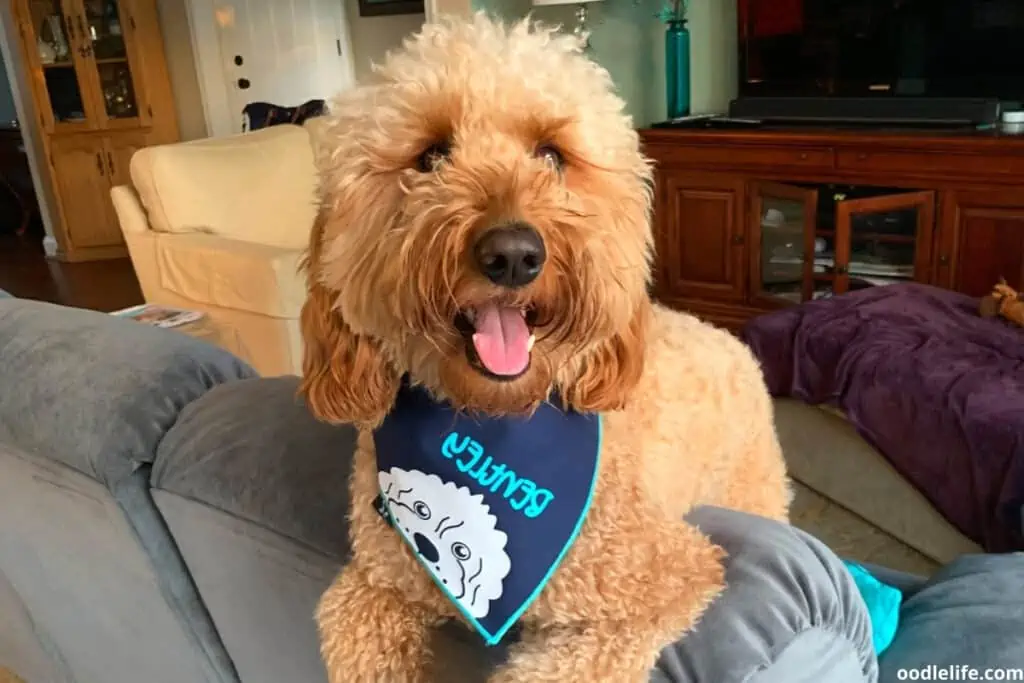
[369,634]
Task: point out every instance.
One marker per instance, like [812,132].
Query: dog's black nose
[511,256]
[425,548]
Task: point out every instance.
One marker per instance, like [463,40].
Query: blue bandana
[489,505]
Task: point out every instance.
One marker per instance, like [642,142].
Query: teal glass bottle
[677,68]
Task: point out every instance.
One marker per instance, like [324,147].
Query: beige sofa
[219,225]
[852,498]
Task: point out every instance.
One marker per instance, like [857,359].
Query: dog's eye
[433,156]
[461,551]
[421,509]
[551,155]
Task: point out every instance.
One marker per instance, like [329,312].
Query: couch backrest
[257,187]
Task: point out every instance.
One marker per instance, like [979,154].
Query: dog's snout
[425,548]
[511,255]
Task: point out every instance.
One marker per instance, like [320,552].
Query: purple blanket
[935,388]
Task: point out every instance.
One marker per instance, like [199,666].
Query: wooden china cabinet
[748,221]
[101,90]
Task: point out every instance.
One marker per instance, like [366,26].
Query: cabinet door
[112,62]
[119,150]
[878,241]
[83,184]
[56,56]
[700,238]
[782,224]
[980,241]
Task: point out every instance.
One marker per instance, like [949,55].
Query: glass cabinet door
[107,25]
[879,240]
[784,219]
[55,54]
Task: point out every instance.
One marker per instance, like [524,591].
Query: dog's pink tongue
[502,339]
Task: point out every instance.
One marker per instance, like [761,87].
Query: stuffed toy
[1004,301]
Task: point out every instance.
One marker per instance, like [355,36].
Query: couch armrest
[233,274]
[97,392]
[130,214]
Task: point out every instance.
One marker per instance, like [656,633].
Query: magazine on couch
[160,316]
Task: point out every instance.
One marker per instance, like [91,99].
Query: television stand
[748,220]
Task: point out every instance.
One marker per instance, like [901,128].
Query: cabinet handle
[99,163]
[944,260]
[110,163]
[804,156]
[737,240]
[841,270]
[69,27]
[862,156]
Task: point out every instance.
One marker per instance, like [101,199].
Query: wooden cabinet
[747,222]
[119,150]
[981,241]
[702,236]
[80,171]
[85,168]
[100,87]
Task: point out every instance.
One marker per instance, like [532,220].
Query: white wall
[629,41]
[372,37]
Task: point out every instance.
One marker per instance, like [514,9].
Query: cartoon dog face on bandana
[453,533]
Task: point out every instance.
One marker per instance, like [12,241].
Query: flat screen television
[913,51]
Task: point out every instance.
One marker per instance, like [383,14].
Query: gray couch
[168,517]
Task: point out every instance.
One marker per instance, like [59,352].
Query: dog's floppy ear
[345,377]
[614,370]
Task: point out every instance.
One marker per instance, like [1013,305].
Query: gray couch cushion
[969,614]
[94,391]
[252,449]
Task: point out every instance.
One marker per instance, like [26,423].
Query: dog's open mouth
[499,339]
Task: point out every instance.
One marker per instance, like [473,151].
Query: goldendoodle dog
[533,428]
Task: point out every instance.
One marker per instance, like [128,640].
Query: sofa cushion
[966,615]
[257,187]
[94,391]
[232,274]
[253,450]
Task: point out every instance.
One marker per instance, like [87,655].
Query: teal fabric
[883,602]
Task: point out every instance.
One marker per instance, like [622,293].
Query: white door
[283,52]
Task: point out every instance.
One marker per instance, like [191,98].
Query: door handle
[110,164]
[99,163]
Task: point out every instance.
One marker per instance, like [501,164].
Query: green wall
[628,40]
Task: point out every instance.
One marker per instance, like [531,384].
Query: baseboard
[50,246]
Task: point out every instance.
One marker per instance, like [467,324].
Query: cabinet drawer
[744,156]
[930,163]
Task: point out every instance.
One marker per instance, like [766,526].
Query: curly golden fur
[523,128]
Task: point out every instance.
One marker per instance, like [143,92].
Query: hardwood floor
[104,286]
